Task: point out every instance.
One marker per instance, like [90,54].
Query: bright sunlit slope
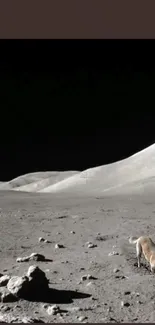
[99,179]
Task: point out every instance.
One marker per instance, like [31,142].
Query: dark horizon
[73,105]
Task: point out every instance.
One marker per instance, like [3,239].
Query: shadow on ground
[56,296]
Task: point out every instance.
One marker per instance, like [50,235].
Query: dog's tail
[133,240]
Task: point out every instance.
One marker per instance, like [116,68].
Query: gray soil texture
[92,272]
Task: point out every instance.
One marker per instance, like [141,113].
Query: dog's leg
[139,252]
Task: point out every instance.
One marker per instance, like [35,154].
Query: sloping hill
[24,180]
[137,167]
[45,182]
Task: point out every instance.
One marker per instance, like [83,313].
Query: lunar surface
[79,224]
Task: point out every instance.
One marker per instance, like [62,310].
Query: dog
[145,246]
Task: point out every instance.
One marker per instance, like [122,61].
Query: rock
[8,318]
[82,318]
[74,309]
[18,286]
[121,277]
[113,253]
[4,280]
[59,246]
[91,245]
[125,304]
[53,310]
[37,257]
[32,257]
[116,270]
[6,296]
[72,232]
[37,278]
[22,259]
[31,320]
[91,277]
[84,277]
[88,277]
[5,308]
[41,239]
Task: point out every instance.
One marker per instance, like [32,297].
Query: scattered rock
[84,278]
[74,309]
[5,308]
[91,277]
[139,302]
[93,298]
[59,246]
[36,257]
[53,310]
[116,270]
[18,286]
[109,309]
[31,320]
[121,277]
[62,217]
[32,257]
[88,277]
[4,280]
[101,238]
[41,239]
[113,253]
[6,296]
[125,304]
[22,259]
[91,245]
[8,318]
[82,318]
[127,293]
[46,241]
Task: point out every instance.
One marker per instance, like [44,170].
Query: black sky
[74,104]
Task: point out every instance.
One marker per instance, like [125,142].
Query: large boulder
[18,286]
[6,295]
[4,279]
[37,278]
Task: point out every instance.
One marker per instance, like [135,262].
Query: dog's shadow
[56,296]
[143,269]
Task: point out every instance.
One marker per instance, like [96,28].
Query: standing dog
[146,246]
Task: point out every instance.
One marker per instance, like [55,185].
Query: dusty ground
[107,223]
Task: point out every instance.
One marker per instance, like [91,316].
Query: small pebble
[53,310]
[113,253]
[91,245]
[116,270]
[127,292]
[109,309]
[125,304]
[84,278]
[82,318]
[59,246]
[41,239]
